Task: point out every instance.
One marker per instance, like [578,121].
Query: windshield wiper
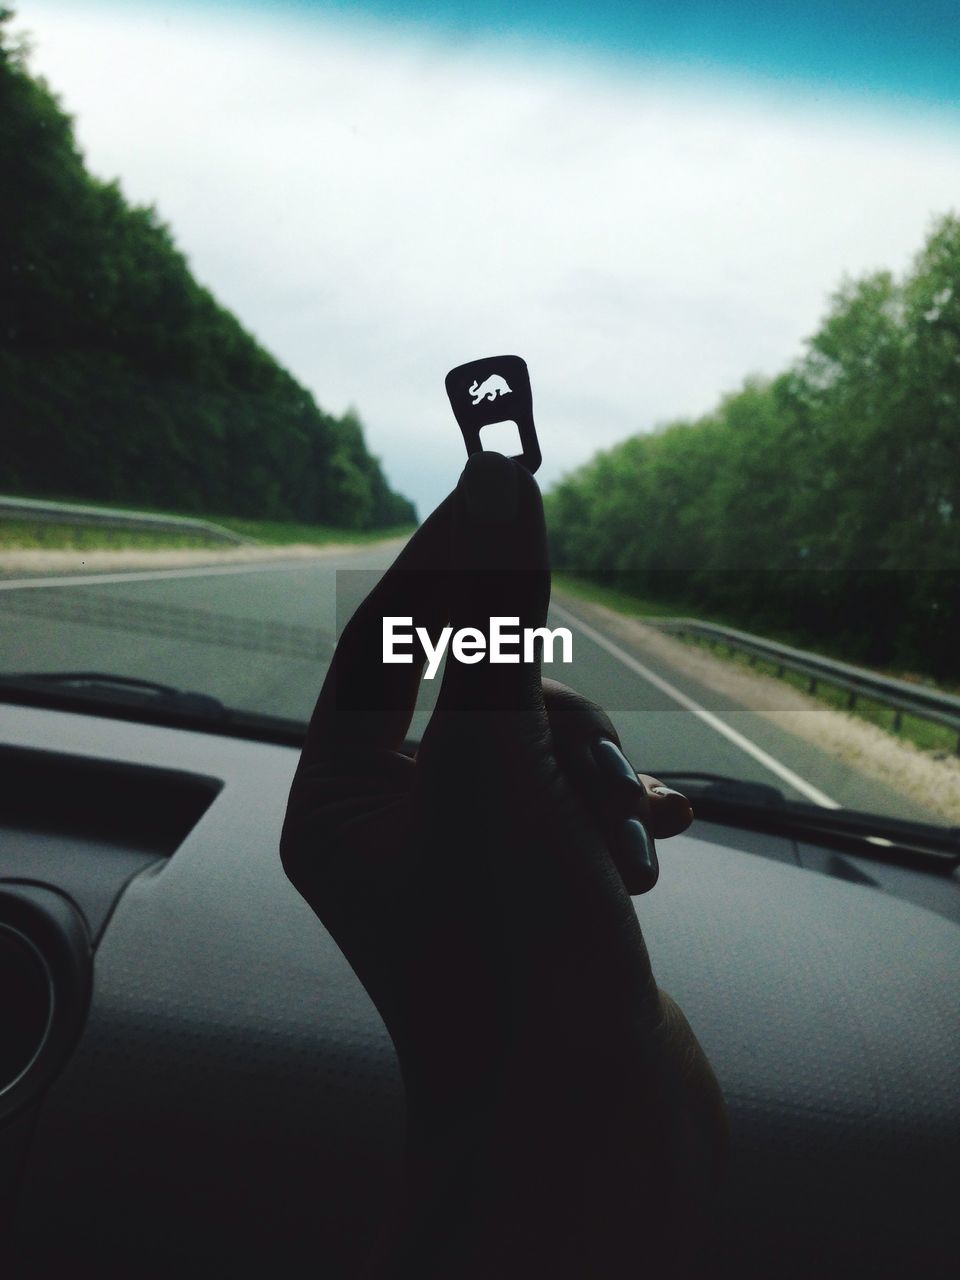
[759,807]
[131,698]
[128,689]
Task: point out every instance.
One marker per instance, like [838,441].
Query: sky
[648,202]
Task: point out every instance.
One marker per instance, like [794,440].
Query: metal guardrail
[73,513]
[900,695]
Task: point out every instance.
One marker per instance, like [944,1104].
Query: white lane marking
[148,575]
[786,775]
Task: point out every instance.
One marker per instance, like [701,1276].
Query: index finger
[366,704]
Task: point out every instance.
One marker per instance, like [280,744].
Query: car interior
[194,1078]
[193,1081]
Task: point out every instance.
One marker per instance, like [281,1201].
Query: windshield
[247,242]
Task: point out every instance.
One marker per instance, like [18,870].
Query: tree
[122,377]
[825,504]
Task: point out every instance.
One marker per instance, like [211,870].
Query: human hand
[557,1101]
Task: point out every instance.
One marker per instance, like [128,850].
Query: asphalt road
[259,637]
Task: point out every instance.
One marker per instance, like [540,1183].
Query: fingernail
[489,488]
[666,791]
[638,857]
[612,763]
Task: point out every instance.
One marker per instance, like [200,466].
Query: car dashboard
[198,1083]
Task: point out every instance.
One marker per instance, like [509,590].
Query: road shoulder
[33,561]
[929,779]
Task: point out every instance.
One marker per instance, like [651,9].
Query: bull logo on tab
[489,389]
[475,391]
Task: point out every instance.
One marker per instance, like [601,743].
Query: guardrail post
[934,706]
[37,510]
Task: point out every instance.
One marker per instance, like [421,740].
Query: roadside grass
[924,734]
[284,533]
[621,601]
[18,535]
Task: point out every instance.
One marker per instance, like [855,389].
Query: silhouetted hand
[562,1118]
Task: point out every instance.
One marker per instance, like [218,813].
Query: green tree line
[822,505]
[121,377]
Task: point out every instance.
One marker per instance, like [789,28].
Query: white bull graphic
[490,388]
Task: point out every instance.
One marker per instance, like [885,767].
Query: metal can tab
[494,389]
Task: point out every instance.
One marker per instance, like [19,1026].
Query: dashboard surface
[233,1091]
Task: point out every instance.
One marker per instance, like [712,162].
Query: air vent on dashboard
[26,1003]
[45,969]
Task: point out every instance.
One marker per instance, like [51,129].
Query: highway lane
[679,723]
[259,637]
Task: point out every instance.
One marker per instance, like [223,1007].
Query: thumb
[499,587]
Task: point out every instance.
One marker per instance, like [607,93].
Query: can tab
[495,389]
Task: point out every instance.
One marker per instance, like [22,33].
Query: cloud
[378,206]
